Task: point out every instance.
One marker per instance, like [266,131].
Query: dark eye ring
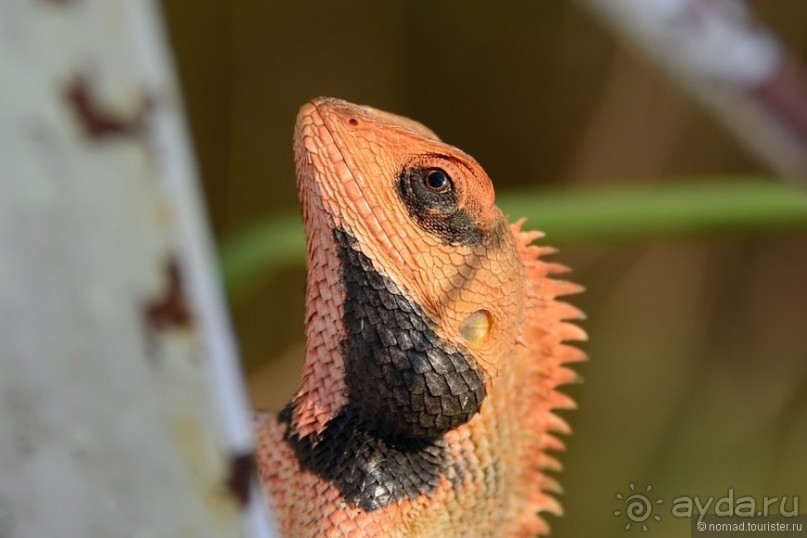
[436,180]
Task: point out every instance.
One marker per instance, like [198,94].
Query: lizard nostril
[353,121]
[476,327]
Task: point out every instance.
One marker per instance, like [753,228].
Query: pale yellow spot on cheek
[476,327]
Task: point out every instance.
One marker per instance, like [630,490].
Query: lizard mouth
[325,177]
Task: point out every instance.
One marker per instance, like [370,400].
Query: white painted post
[122,411]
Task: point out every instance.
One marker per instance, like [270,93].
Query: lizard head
[415,286]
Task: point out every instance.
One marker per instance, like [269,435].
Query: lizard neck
[372,351]
[391,388]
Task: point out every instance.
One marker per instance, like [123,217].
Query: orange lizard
[435,344]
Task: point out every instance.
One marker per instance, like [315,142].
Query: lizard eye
[437,180]
[428,190]
[432,199]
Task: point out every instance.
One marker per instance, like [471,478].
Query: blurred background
[698,375]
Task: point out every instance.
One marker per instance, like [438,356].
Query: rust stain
[97,122]
[170,309]
[239,477]
[786,94]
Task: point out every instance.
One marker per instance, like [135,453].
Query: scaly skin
[434,344]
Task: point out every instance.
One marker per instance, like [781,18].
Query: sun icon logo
[638,507]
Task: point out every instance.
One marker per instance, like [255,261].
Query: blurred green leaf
[583,215]
[254,255]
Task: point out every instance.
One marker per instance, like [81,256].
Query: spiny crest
[546,329]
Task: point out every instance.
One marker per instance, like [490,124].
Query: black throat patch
[402,379]
[369,471]
[406,389]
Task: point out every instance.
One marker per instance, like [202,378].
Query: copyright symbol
[701,526]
